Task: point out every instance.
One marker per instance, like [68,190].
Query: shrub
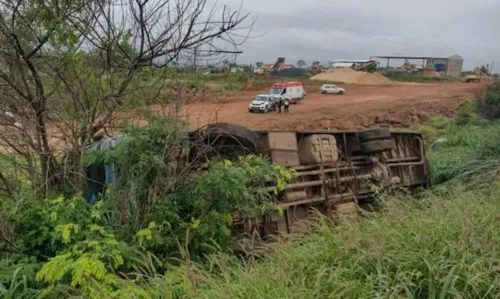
[83,253]
[89,253]
[70,244]
[161,201]
[488,101]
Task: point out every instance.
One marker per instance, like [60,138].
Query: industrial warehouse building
[445,66]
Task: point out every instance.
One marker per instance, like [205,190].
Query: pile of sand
[350,76]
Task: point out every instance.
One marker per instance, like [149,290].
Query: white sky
[327,30]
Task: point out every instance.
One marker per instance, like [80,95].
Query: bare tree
[67,68]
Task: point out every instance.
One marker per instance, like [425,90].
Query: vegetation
[158,206]
[443,245]
[488,101]
[465,112]
[161,230]
[411,77]
[68,68]
[467,152]
[440,244]
[465,149]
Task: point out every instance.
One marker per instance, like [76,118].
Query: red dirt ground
[400,104]
[361,107]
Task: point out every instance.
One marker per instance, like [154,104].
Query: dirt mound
[350,76]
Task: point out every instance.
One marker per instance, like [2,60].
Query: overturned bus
[335,170]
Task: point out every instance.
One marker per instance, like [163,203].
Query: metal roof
[350,60]
[342,64]
[410,57]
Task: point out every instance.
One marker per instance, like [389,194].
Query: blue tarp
[440,67]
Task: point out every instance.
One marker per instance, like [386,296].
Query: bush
[165,201]
[70,245]
[159,202]
[487,102]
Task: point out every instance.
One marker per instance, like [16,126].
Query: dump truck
[336,171]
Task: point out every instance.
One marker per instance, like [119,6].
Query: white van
[262,103]
[294,91]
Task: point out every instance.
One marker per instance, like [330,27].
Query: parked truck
[473,78]
[336,171]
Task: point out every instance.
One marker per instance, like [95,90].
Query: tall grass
[469,153]
[18,287]
[444,245]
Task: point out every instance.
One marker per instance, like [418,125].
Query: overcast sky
[327,30]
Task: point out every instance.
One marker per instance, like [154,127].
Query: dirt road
[360,107]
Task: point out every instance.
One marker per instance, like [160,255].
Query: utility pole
[491,70]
